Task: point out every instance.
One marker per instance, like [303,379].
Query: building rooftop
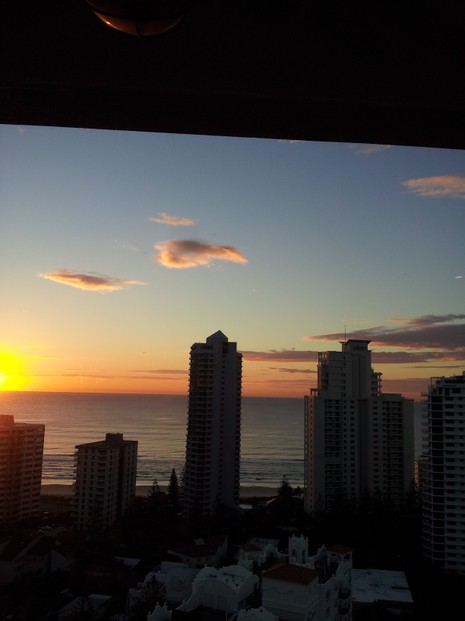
[376,585]
[292,573]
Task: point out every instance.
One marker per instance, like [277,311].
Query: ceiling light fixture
[141,18]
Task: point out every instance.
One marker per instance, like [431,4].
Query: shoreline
[246,491]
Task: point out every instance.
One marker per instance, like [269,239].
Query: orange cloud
[369,149]
[452,186]
[164,218]
[424,333]
[184,253]
[291,370]
[89,281]
[280,355]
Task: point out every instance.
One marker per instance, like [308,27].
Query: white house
[257,551]
[309,587]
[228,589]
[201,552]
[160,613]
[290,591]
[256,614]
[96,604]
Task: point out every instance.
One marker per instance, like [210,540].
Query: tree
[173,491]
[284,491]
[155,497]
[283,501]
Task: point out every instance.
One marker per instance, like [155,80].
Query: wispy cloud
[161,371]
[291,370]
[369,149]
[185,253]
[452,186]
[90,281]
[435,337]
[427,320]
[280,355]
[164,218]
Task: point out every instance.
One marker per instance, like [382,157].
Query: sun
[11,372]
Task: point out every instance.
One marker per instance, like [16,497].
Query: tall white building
[105,480]
[357,439]
[442,474]
[212,467]
[21,454]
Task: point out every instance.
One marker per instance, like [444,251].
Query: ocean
[271,436]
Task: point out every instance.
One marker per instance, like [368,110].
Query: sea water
[271,432]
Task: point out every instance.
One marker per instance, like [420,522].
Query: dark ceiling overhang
[391,74]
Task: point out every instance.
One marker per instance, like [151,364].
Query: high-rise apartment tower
[21,454]
[357,439]
[212,468]
[442,474]
[105,480]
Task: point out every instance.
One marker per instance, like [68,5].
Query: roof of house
[291,573]
[339,548]
[201,547]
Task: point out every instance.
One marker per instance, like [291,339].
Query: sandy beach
[247,491]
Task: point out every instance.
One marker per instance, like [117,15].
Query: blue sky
[118,250]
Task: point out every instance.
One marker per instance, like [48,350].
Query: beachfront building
[357,439]
[212,465]
[105,481]
[21,455]
[442,474]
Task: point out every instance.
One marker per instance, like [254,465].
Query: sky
[119,250]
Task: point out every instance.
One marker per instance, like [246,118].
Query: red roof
[340,549]
[291,573]
[250,547]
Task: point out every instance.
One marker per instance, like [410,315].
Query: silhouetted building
[212,468]
[357,439]
[105,481]
[21,454]
[442,474]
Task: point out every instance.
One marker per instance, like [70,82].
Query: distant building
[212,467]
[442,474]
[105,480]
[357,439]
[21,455]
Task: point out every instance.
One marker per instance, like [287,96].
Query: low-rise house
[257,551]
[290,591]
[47,553]
[256,614]
[228,589]
[304,587]
[171,580]
[208,551]
[177,580]
[160,613]
[381,589]
[12,560]
[95,606]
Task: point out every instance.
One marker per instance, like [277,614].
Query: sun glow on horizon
[12,377]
